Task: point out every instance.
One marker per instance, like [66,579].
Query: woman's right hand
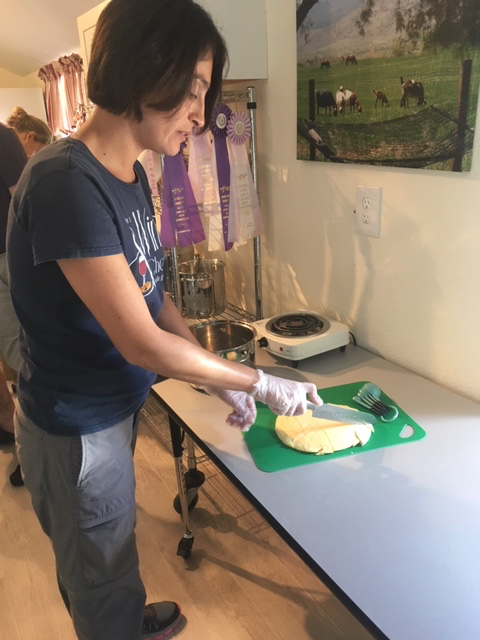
[284,397]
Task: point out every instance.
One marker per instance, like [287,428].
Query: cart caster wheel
[342,349]
[194,479]
[185,547]
[191,505]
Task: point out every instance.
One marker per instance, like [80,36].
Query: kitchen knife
[339,414]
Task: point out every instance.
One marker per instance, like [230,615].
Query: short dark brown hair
[147,50]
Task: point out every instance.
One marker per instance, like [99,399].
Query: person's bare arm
[166,347]
[171,320]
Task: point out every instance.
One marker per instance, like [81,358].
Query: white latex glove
[245,411]
[284,397]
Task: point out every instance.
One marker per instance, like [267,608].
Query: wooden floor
[242,582]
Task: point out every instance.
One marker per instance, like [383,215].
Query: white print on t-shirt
[146,267]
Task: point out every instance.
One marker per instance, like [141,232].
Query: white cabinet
[241,22]
[243,25]
[86,28]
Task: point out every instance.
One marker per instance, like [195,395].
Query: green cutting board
[270,454]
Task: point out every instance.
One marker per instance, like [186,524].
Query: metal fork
[369,396]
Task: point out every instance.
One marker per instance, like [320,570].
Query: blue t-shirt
[67,205]
[12,161]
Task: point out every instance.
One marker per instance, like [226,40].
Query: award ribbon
[151,173]
[203,178]
[180,214]
[218,126]
[152,163]
[245,220]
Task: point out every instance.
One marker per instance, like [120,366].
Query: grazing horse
[326,101]
[351,101]
[380,96]
[412,89]
[350,59]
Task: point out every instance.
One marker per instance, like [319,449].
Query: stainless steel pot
[234,340]
[202,287]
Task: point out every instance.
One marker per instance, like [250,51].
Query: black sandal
[16,479]
[160,619]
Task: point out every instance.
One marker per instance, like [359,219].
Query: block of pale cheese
[319,435]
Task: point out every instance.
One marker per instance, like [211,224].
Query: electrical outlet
[368,203]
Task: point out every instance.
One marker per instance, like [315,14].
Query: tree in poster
[303,9]
[435,22]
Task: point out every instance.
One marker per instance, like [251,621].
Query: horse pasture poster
[388,82]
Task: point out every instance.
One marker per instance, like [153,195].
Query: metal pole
[176,279]
[252,107]
[186,543]
[176,291]
[311,111]
[463,97]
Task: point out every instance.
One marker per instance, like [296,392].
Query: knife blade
[339,414]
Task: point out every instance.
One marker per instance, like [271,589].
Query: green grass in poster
[439,74]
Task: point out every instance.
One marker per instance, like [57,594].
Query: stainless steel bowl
[233,340]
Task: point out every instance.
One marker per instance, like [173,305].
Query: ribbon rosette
[239,128]
[219,121]
[218,126]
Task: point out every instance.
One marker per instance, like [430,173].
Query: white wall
[411,295]
[10,80]
[21,91]
[31,99]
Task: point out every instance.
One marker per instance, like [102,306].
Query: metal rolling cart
[190,479]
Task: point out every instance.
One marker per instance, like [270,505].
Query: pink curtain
[51,76]
[62,99]
[74,87]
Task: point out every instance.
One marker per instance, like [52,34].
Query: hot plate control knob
[263,342]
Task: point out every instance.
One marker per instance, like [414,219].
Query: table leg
[185,545]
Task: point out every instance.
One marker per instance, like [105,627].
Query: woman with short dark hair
[86,269]
[147,58]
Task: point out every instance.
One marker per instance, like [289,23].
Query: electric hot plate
[301,334]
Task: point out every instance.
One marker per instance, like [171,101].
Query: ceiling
[36,32]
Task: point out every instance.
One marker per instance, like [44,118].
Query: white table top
[396,529]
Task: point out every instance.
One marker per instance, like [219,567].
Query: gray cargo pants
[83,492]
[9,324]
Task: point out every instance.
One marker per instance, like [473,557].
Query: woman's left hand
[245,410]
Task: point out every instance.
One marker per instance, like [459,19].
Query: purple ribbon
[180,214]
[167,227]
[218,126]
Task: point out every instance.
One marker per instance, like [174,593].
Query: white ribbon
[244,219]
[203,178]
